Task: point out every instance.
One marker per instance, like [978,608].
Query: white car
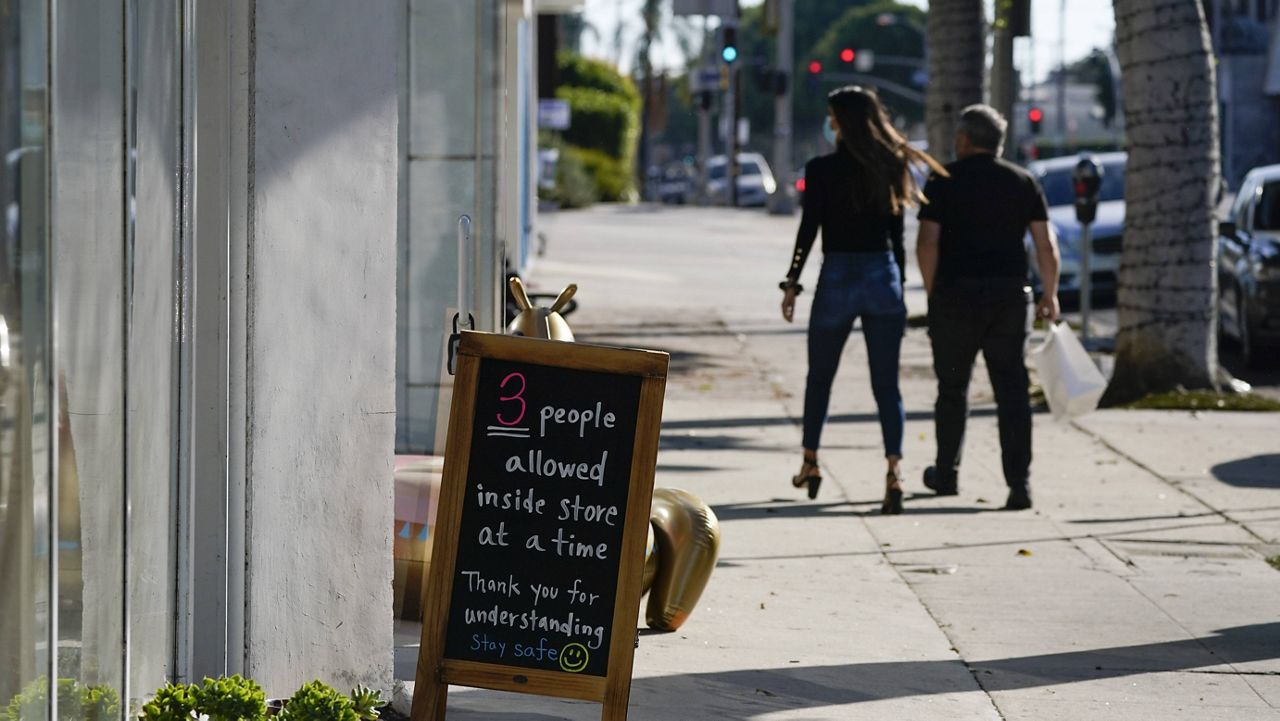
[1107,228]
[755,180]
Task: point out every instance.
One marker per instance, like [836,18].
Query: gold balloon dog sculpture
[536,321]
[684,533]
[687,535]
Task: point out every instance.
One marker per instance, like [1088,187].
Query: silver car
[755,180]
[1107,228]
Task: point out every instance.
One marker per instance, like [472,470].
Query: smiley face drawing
[574,657]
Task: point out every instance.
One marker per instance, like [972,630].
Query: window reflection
[24,421]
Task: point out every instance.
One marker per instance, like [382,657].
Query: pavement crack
[1168,482]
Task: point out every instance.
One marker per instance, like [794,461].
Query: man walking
[970,250]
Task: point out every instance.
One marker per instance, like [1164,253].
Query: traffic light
[815,67]
[1034,116]
[729,44]
[848,55]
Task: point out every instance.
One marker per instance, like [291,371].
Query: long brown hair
[886,184]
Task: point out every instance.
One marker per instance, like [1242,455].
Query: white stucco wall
[320,382]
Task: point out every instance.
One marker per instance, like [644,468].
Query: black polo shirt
[984,209]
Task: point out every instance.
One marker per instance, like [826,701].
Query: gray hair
[984,125]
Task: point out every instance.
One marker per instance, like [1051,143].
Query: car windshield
[1058,186]
[746,167]
[1267,216]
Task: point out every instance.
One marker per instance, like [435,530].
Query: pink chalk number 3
[514,397]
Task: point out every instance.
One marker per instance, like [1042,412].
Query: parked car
[676,184]
[1106,230]
[1249,268]
[755,180]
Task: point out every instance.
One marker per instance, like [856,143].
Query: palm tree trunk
[956,46]
[1165,302]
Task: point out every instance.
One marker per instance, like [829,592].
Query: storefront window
[26,536]
[453,127]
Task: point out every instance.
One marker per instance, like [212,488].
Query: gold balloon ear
[517,291]
[565,296]
[688,542]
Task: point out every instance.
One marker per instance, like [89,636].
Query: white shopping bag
[1072,383]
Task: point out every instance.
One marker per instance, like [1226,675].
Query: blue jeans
[851,286]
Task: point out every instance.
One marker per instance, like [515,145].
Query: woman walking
[857,196]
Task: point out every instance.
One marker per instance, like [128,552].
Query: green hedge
[604,128]
[612,177]
[600,121]
[579,72]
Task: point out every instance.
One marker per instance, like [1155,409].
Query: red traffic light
[1035,115]
[847,55]
[815,67]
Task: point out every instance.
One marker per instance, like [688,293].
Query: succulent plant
[366,702]
[231,698]
[317,701]
[172,702]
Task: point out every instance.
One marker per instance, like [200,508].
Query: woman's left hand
[788,304]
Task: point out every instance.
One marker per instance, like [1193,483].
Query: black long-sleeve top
[829,204]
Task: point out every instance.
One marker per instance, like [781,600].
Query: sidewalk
[1135,589]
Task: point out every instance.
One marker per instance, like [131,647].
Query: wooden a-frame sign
[535,577]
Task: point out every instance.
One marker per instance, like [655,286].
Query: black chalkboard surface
[546,496]
[535,576]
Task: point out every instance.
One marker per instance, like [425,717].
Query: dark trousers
[995,320]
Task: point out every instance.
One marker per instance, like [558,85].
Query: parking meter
[1086,181]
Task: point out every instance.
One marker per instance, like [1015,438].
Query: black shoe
[1019,499]
[892,505]
[810,477]
[938,485]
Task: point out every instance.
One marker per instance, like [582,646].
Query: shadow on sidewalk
[1256,472]
[789,508]
[810,687]
[1125,534]
[761,421]
[757,693]
[609,335]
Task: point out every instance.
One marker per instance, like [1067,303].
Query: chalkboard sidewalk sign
[535,577]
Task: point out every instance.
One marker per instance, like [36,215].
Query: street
[1137,588]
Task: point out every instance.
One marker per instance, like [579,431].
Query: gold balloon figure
[684,533]
[539,322]
[687,535]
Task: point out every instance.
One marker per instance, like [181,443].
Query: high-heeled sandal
[810,475]
[892,505]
